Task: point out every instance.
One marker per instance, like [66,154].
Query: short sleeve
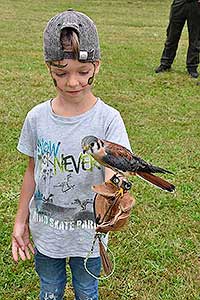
[26,144]
[116,131]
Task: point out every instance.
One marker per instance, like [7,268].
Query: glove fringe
[106,262]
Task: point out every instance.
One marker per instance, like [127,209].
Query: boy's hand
[21,245]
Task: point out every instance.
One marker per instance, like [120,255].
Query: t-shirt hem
[67,254]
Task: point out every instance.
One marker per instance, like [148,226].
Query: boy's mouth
[73,92]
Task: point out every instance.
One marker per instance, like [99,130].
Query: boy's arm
[20,238]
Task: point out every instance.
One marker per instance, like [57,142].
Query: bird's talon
[119,193]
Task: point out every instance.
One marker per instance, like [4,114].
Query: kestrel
[124,162]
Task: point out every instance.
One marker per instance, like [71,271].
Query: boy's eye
[84,72]
[60,74]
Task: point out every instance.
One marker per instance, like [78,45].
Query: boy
[56,200]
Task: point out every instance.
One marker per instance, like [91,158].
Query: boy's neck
[64,108]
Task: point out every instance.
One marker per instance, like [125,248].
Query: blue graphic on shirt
[47,147]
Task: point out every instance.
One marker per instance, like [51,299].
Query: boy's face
[71,80]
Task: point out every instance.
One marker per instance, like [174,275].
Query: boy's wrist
[21,217]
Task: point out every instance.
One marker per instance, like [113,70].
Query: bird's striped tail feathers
[157,181]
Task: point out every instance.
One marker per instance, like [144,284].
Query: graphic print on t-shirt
[58,202]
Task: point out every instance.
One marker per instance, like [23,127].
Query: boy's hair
[71,34]
[70,42]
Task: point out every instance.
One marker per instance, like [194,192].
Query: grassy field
[157,256]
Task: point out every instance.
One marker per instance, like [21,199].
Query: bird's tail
[157,181]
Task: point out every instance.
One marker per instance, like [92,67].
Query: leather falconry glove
[112,210]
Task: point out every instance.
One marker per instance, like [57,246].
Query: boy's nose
[72,81]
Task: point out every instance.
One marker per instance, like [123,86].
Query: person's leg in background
[193,23]
[174,30]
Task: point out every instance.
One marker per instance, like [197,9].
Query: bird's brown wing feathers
[130,161]
[117,157]
[122,160]
[118,150]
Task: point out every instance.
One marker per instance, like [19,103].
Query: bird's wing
[117,156]
[118,150]
[140,165]
[121,158]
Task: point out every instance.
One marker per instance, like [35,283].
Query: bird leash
[108,266]
[112,208]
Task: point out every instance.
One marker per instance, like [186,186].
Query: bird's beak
[85,148]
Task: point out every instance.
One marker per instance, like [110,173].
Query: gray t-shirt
[61,211]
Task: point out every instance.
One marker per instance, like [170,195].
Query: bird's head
[91,144]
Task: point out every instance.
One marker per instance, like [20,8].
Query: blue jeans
[53,278]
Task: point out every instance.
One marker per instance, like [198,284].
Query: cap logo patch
[83,55]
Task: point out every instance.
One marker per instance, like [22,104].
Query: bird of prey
[124,162]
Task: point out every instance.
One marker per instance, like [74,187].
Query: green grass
[157,256]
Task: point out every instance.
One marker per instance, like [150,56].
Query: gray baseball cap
[82,25]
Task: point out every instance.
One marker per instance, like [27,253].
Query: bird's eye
[92,144]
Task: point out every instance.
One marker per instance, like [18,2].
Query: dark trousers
[179,14]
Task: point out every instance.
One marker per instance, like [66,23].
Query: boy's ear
[48,66]
[97,66]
